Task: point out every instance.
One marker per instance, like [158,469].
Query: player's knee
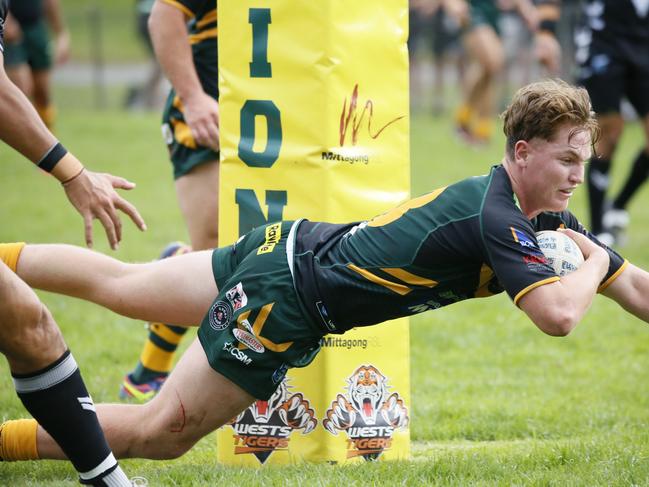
[167,432]
[33,331]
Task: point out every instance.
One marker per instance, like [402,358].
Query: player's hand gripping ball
[563,254]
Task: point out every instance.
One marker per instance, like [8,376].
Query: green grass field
[494,401]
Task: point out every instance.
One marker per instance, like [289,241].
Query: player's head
[540,109]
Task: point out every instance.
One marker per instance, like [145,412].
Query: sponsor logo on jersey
[368,414]
[279,374]
[249,340]
[236,353]
[266,426]
[237,297]
[273,236]
[522,239]
[219,315]
[324,315]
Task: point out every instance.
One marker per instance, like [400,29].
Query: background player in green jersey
[184,36]
[266,301]
[29,56]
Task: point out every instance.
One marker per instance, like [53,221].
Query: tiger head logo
[367,391]
[368,413]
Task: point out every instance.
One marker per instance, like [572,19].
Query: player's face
[556,168]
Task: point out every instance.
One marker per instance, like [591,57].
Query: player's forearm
[171,44]
[23,128]
[630,290]
[558,307]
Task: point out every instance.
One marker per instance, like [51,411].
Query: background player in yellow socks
[474,119]
[28,54]
[184,36]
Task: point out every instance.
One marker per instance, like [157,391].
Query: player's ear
[521,152]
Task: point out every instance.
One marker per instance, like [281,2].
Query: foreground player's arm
[92,194]
[630,290]
[168,30]
[557,307]
[177,290]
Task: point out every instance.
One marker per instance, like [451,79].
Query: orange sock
[47,114]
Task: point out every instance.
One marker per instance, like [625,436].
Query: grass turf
[494,401]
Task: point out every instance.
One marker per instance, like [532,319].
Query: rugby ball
[562,252]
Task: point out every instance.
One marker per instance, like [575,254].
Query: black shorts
[614,69]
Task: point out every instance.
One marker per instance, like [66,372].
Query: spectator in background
[613,54]
[28,54]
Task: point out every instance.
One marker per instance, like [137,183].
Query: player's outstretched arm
[556,308]
[178,290]
[630,289]
[92,194]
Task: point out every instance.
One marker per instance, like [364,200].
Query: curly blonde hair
[540,109]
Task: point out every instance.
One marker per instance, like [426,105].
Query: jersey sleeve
[189,7]
[513,253]
[617,263]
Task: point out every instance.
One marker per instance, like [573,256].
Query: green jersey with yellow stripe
[467,240]
[202,27]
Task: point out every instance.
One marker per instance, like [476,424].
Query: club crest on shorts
[266,426]
[237,297]
[368,413]
[220,315]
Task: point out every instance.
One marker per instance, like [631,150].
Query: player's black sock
[58,399]
[597,185]
[637,176]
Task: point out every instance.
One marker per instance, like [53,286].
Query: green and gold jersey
[467,240]
[203,35]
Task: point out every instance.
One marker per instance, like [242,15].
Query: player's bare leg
[198,198]
[194,401]
[177,290]
[49,384]
[486,51]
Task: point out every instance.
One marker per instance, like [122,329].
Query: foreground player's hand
[202,116]
[94,196]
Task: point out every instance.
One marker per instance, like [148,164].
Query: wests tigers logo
[368,413]
[266,425]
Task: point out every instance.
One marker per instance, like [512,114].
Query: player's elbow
[558,323]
